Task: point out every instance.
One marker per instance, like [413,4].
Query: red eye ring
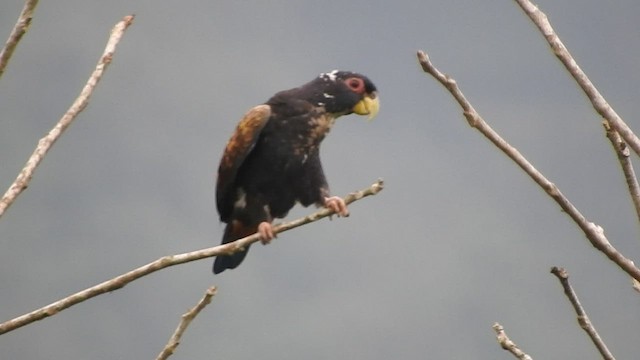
[355,84]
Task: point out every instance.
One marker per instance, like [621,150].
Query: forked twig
[598,101]
[594,233]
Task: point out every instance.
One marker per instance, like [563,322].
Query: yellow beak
[369,105]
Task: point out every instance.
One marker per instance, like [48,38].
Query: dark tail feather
[232,232]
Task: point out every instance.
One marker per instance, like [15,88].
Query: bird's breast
[309,137]
[288,141]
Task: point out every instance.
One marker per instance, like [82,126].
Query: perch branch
[23,179]
[583,319]
[597,100]
[594,233]
[171,260]
[622,150]
[21,27]
[186,319]
[509,345]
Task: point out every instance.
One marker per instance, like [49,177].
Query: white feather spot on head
[329,76]
[328,96]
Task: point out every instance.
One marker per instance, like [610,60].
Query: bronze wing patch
[238,148]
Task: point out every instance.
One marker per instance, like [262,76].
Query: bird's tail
[232,232]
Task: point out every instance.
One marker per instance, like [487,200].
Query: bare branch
[171,260]
[622,150]
[23,179]
[187,318]
[597,100]
[21,27]
[583,318]
[509,345]
[594,233]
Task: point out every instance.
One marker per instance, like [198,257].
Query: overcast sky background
[459,239]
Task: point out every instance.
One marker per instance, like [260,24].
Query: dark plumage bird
[272,160]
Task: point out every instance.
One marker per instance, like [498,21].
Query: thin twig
[186,319]
[594,233]
[622,151]
[23,179]
[583,318]
[597,100]
[509,345]
[171,260]
[21,27]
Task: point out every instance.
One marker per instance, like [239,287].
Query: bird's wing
[238,148]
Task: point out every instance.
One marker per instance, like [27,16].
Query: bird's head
[345,92]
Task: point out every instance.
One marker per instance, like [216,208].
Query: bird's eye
[356,85]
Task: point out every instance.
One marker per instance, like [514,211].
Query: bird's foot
[337,205]
[265,229]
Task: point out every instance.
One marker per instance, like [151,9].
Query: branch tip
[185,320]
[80,103]
[581,314]
[560,272]
[507,344]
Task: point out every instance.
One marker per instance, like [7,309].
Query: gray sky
[460,237]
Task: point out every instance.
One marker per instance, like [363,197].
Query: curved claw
[337,205]
[265,229]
